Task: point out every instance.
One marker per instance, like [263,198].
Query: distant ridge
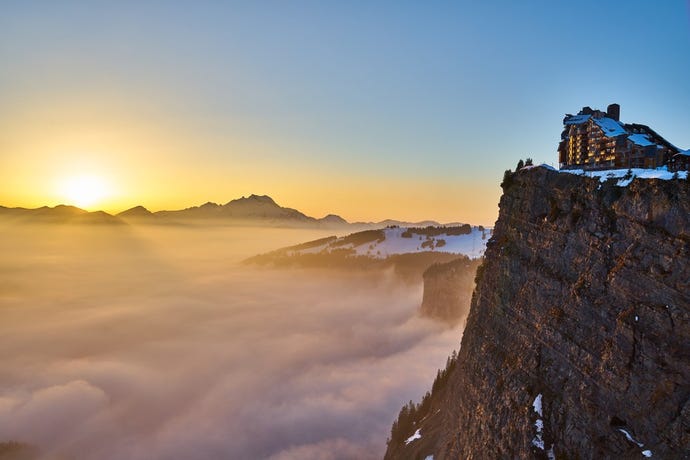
[136,211]
[249,210]
[58,214]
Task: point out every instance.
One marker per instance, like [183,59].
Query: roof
[685,153]
[576,119]
[640,139]
[610,127]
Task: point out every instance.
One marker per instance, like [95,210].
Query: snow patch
[417,435]
[647,453]
[538,440]
[629,436]
[429,457]
[537,405]
[622,174]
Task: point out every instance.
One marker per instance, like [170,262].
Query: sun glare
[85,190]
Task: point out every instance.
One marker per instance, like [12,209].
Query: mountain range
[252,210]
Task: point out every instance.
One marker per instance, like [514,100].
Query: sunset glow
[303,230]
[84,191]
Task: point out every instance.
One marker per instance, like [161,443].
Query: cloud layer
[157,344]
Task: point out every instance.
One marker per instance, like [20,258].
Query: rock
[448,290]
[583,302]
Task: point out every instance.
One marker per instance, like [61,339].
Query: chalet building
[680,161]
[593,139]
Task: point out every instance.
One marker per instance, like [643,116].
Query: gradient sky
[370,110]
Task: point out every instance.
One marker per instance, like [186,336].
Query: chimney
[614,111]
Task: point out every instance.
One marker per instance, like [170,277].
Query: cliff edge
[448,290]
[577,343]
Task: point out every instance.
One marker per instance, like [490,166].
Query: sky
[370,110]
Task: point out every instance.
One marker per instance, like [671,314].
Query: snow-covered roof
[576,119]
[683,152]
[610,127]
[640,139]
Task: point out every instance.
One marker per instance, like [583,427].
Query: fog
[156,343]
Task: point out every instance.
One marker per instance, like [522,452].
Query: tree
[520,165]
[528,162]
[507,179]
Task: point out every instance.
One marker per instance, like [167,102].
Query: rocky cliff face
[448,290]
[577,344]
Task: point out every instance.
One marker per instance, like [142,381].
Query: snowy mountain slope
[379,244]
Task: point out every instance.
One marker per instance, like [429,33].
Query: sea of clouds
[156,343]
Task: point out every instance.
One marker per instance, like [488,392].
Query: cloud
[156,344]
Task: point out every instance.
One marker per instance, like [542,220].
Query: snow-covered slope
[379,244]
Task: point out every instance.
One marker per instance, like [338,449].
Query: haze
[154,343]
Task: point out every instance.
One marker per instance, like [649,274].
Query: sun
[84,190]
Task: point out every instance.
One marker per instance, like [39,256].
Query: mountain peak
[254,199]
[333,219]
[136,211]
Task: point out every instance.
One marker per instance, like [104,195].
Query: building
[680,161]
[593,140]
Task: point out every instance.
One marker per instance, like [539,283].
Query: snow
[577,119]
[538,441]
[646,453]
[660,173]
[417,435]
[629,436]
[543,165]
[472,245]
[429,457]
[610,127]
[537,405]
[641,140]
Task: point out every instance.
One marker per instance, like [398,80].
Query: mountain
[333,220]
[256,207]
[576,344]
[60,214]
[136,212]
[410,252]
[253,210]
[382,243]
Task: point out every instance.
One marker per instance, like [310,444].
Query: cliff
[448,290]
[577,344]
